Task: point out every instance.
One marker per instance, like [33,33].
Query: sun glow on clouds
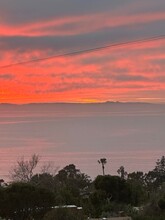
[78,24]
[127,73]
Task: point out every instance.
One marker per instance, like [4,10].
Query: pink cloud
[73,25]
[116,73]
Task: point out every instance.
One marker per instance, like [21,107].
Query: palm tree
[103,161]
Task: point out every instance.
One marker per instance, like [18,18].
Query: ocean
[127,134]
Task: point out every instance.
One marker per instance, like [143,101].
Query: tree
[121,171]
[24,169]
[138,176]
[160,166]
[156,177]
[160,171]
[139,192]
[71,184]
[70,174]
[49,168]
[24,201]
[115,188]
[44,180]
[103,161]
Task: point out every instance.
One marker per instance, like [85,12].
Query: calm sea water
[132,135]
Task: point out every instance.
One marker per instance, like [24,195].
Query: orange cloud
[123,74]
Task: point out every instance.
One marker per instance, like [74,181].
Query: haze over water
[127,134]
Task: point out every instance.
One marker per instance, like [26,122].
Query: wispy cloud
[54,29]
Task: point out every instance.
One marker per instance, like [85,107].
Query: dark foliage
[64,214]
[115,188]
[24,201]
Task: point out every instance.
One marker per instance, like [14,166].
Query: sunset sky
[37,29]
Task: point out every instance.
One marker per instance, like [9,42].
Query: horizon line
[83,103]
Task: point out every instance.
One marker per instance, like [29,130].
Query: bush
[64,214]
[161,204]
[22,201]
[148,217]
